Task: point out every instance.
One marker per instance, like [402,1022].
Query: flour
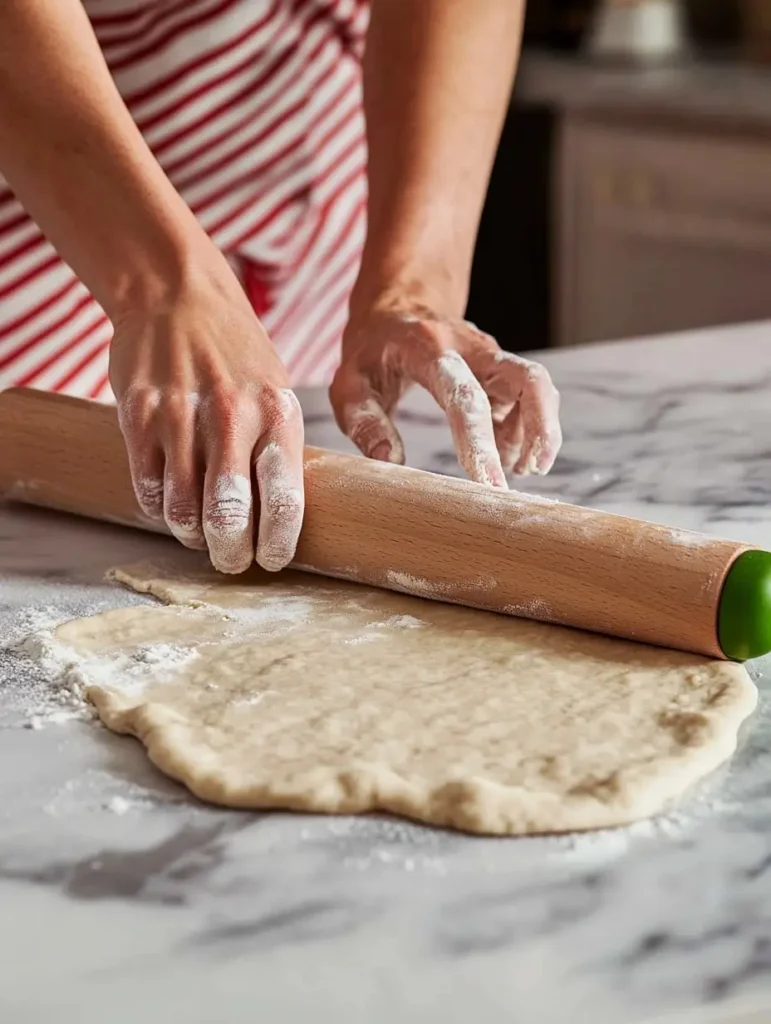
[419,587]
[61,698]
[393,622]
[118,805]
[281,507]
[149,492]
[227,523]
[60,677]
[535,609]
[69,675]
[252,699]
[132,672]
[689,539]
[470,417]
[270,614]
[609,844]
[400,622]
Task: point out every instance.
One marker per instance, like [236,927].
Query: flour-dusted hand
[503,410]
[205,409]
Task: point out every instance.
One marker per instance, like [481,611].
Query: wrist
[427,290]
[152,279]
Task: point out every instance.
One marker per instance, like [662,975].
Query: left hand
[503,410]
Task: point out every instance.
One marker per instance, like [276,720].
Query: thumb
[360,415]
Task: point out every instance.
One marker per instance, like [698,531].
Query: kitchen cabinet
[660,195]
[658,229]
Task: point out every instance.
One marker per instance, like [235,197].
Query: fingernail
[381,452]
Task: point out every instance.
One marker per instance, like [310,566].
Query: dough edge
[474,805]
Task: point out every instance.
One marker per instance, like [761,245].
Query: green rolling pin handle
[744,612]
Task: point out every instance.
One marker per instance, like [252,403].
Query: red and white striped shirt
[253,109]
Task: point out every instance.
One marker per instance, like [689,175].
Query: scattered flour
[419,587]
[61,698]
[609,844]
[69,674]
[400,622]
[252,699]
[118,805]
[689,539]
[535,609]
[272,611]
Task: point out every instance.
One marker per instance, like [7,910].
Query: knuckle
[281,516]
[228,509]
[231,413]
[175,407]
[279,407]
[537,373]
[226,516]
[364,418]
[183,512]
[479,337]
[291,411]
[277,473]
[149,495]
[137,408]
[283,510]
[224,402]
[459,389]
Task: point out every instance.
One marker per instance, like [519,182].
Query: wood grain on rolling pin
[422,533]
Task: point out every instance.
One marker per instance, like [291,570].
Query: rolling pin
[436,537]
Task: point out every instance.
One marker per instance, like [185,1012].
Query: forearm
[437,79]
[74,157]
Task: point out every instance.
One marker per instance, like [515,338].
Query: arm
[77,162]
[200,390]
[437,80]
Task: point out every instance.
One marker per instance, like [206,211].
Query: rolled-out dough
[298,692]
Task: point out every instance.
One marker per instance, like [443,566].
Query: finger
[137,419]
[361,417]
[182,494]
[501,410]
[372,431]
[279,472]
[509,377]
[509,437]
[147,472]
[227,514]
[468,412]
[183,475]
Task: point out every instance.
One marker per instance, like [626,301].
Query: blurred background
[632,190]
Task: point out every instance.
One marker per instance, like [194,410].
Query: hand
[503,410]
[205,407]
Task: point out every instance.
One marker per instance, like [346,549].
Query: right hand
[205,408]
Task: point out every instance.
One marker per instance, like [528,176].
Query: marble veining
[123,899]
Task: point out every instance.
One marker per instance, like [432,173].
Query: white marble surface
[174,911]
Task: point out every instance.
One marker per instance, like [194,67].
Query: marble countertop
[123,900]
[724,91]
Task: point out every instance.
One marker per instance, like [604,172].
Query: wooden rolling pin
[436,537]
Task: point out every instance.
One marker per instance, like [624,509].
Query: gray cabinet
[658,227]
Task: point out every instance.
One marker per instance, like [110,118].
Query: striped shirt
[253,109]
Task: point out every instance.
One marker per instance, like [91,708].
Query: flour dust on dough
[305,693]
